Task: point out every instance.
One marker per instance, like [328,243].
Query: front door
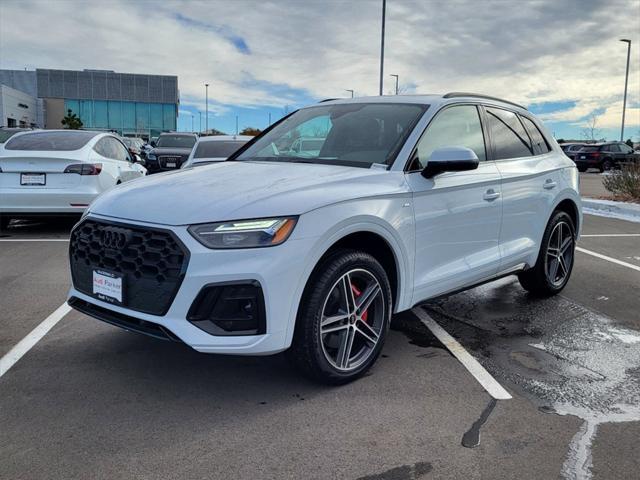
[457,214]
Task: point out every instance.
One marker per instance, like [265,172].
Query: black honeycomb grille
[152,262]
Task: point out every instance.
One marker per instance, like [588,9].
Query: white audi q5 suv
[407,198]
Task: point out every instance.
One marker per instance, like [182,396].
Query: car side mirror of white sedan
[450,159]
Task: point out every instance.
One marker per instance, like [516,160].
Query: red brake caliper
[357,293]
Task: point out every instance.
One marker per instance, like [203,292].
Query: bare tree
[590,131]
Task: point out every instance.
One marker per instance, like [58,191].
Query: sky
[561,58]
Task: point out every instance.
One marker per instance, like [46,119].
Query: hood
[171,151]
[238,190]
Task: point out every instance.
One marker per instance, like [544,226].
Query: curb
[609,208]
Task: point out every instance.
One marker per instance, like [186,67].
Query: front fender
[386,217]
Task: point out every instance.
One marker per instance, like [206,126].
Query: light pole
[397,76]
[192,117]
[206,115]
[236,124]
[200,124]
[269,118]
[626,81]
[350,91]
[384,8]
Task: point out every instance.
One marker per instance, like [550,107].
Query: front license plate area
[171,165]
[108,287]
[33,179]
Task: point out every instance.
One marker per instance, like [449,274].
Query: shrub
[625,182]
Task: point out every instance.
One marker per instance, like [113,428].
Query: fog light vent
[235,308]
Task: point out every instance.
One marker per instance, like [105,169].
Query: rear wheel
[606,166]
[582,169]
[343,318]
[553,268]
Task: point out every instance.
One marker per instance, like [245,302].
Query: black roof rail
[479,95]
[329,100]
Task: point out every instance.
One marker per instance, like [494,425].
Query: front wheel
[606,166]
[553,268]
[343,318]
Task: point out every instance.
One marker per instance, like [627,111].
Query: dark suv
[604,156]
[170,151]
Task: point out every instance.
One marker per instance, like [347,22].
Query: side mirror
[450,159]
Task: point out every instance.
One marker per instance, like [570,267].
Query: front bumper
[279,270]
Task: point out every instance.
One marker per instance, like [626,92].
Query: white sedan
[216,148]
[60,171]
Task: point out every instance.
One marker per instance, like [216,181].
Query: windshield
[216,149]
[176,141]
[50,141]
[353,134]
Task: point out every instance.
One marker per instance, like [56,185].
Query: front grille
[164,159]
[151,261]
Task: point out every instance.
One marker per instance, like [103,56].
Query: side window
[102,147]
[613,148]
[457,126]
[119,152]
[626,148]
[509,138]
[540,145]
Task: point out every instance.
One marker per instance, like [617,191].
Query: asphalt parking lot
[93,401]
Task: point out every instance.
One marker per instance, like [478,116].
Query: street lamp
[626,81]
[192,117]
[394,75]
[384,8]
[347,90]
[200,122]
[206,115]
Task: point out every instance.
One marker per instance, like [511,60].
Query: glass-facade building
[127,103]
[126,118]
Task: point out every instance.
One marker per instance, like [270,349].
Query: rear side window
[613,148]
[540,145]
[50,141]
[590,149]
[216,149]
[509,138]
[457,126]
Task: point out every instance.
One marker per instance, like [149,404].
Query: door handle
[549,184]
[490,194]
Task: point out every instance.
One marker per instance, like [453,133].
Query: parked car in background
[134,145]
[60,171]
[215,148]
[171,151]
[604,156]
[408,199]
[570,149]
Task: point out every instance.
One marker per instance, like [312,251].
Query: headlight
[151,156]
[266,232]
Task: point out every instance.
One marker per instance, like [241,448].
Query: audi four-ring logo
[114,238]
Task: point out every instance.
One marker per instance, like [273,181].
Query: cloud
[255,53]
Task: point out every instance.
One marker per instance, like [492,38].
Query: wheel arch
[372,238]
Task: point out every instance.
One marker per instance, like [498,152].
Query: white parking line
[611,235]
[483,377]
[34,239]
[608,259]
[24,345]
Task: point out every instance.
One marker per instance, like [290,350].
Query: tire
[321,356]
[582,169]
[606,166]
[549,277]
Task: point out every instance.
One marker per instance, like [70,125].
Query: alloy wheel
[559,258]
[352,320]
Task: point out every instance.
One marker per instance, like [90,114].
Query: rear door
[529,181]
[457,214]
